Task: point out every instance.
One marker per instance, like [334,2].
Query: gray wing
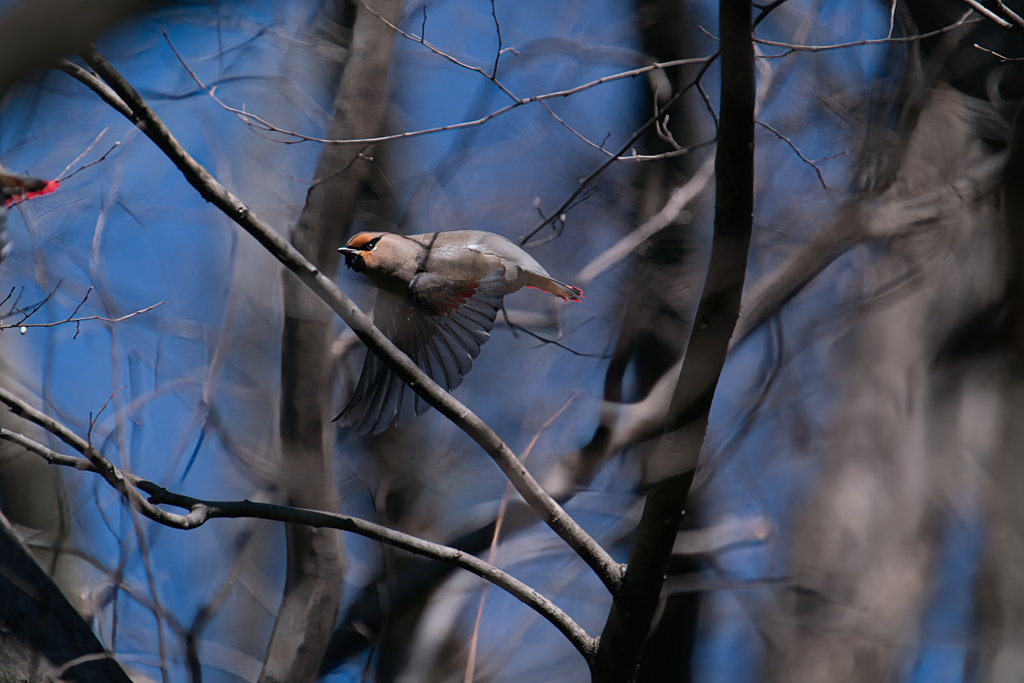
[440,326]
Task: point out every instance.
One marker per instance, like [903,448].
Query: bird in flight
[439,295]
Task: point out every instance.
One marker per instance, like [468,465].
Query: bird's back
[458,244]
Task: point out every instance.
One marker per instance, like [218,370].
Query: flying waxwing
[439,295]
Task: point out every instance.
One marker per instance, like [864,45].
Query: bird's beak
[350,255]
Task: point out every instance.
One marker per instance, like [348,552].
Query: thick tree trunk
[633,608]
[40,632]
[913,428]
[315,556]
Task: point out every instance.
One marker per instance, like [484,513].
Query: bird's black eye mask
[353,259]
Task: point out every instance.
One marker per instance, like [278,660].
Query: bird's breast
[394,283]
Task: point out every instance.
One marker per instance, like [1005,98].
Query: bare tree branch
[201,511]
[1000,57]
[796,150]
[96,85]
[609,571]
[78,321]
[987,13]
[1014,17]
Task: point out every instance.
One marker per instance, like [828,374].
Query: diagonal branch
[1014,17]
[96,85]
[201,511]
[988,14]
[810,162]
[609,571]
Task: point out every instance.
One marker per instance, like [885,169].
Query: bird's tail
[553,286]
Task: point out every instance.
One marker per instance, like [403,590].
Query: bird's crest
[362,240]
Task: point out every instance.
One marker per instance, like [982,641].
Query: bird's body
[440,293]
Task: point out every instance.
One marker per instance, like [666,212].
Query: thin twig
[544,340]
[497,29]
[87,149]
[83,319]
[708,33]
[26,314]
[333,174]
[80,304]
[634,157]
[91,163]
[437,51]
[710,107]
[492,553]
[92,420]
[791,47]
[584,184]
[797,151]
[662,131]
[260,123]
[658,66]
[998,56]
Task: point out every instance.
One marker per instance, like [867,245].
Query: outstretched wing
[440,326]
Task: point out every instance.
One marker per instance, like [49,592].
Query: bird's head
[359,252]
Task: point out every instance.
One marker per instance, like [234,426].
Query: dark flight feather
[440,325]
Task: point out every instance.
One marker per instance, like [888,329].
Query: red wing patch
[48,187]
[459,298]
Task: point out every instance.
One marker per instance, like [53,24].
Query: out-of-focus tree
[818,484]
